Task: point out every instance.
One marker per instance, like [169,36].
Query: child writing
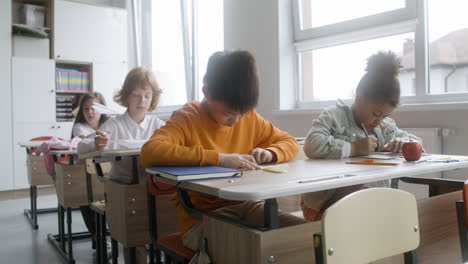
[222,130]
[365,127]
[86,123]
[139,94]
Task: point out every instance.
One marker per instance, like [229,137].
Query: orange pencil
[373,163]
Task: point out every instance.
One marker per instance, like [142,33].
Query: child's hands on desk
[101,139]
[363,146]
[262,156]
[237,161]
[394,146]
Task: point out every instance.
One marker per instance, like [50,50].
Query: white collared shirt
[82,129]
[123,127]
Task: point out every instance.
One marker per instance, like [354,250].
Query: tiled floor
[21,244]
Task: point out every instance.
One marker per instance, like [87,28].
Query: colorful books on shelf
[71,80]
[193,173]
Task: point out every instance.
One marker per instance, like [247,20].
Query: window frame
[190,49]
[412,18]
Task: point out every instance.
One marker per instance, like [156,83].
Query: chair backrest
[369,225]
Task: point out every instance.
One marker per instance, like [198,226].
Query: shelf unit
[72,80]
[48,18]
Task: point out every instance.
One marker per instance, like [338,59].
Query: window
[448,45]
[333,39]
[334,72]
[168,61]
[183,35]
[317,13]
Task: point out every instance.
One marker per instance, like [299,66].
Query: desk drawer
[71,185]
[230,243]
[127,213]
[37,173]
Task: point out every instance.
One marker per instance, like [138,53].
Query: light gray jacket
[326,139]
[336,125]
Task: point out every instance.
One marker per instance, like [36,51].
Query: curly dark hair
[380,82]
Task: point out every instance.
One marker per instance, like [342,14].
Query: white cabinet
[33,85]
[6,157]
[107,79]
[89,33]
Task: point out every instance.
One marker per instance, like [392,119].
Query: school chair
[171,244]
[368,225]
[96,200]
[462,217]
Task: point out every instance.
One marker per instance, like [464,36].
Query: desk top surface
[30,144]
[63,152]
[110,153]
[314,175]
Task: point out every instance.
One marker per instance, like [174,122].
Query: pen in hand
[364,128]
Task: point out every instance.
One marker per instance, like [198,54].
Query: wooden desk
[37,176]
[126,204]
[317,175]
[71,193]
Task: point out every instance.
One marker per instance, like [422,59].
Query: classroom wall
[264,27]
[6,148]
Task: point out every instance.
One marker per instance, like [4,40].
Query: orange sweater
[191,138]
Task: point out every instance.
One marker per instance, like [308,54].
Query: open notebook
[193,173]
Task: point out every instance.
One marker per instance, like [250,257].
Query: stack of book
[181,174]
[64,108]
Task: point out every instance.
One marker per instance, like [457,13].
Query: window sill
[403,108]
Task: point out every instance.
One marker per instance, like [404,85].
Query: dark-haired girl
[364,127]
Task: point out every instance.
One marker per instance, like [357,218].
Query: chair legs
[101,241]
[411,257]
[462,231]
[115,251]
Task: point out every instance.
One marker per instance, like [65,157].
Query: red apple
[412,151]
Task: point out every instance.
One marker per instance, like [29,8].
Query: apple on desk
[412,151]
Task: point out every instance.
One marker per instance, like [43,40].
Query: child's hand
[100,141]
[394,146]
[364,146]
[237,161]
[262,155]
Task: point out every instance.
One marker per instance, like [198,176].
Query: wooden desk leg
[270,214]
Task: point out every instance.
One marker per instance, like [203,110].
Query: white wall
[253,26]
[6,162]
[264,27]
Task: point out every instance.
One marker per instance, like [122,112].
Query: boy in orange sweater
[222,130]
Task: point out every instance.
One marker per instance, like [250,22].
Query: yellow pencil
[373,163]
